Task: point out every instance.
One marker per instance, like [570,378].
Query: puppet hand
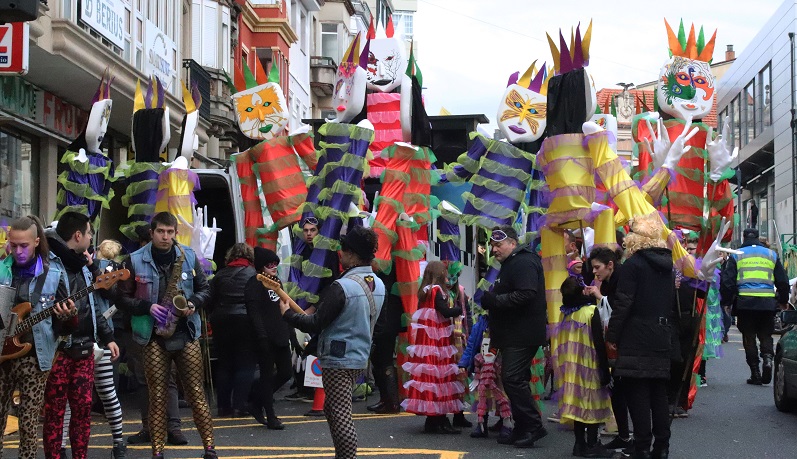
[590,128]
[713,256]
[718,152]
[302,129]
[203,237]
[679,146]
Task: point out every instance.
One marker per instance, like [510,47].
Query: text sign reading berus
[106,17]
[14,38]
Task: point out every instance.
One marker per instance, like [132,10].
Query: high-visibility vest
[755,271]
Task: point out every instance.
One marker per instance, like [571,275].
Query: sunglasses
[498,236]
[310,220]
[272,265]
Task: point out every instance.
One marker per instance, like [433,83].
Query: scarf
[73,261]
[239,262]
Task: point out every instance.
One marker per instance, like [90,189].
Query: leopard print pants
[23,374]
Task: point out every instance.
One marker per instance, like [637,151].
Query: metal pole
[793,134]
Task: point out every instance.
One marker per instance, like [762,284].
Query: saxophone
[173,298]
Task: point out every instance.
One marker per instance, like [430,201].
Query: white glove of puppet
[203,237]
[713,257]
[718,153]
[664,152]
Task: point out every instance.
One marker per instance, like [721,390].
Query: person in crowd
[383,365]
[432,355]
[134,353]
[641,331]
[32,274]
[758,284]
[606,268]
[72,374]
[232,332]
[584,367]
[106,255]
[461,330]
[518,320]
[344,319]
[154,268]
[271,339]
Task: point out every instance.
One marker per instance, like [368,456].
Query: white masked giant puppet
[263,117]
[86,186]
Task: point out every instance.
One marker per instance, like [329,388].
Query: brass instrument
[173,298]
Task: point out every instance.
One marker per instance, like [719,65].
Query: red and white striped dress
[434,388]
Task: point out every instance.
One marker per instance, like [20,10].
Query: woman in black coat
[271,338]
[642,330]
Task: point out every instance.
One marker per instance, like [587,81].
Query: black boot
[432,424]
[755,375]
[381,385]
[460,421]
[660,453]
[766,373]
[390,394]
[447,428]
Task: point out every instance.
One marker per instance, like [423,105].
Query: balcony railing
[363,10]
[322,75]
[195,74]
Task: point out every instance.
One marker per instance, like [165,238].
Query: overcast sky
[468,48]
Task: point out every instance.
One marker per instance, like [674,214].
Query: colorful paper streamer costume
[86,186]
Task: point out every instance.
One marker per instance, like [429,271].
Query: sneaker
[210,453]
[119,450]
[176,438]
[554,417]
[63,454]
[597,450]
[618,443]
[141,437]
[295,397]
[703,381]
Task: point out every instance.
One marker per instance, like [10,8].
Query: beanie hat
[264,257]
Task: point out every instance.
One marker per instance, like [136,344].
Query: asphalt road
[729,420]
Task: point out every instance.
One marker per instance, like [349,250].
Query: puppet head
[150,121]
[522,112]
[259,102]
[387,61]
[570,64]
[686,84]
[100,114]
[188,138]
[349,97]
[415,125]
[487,352]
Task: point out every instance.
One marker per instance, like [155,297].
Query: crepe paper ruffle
[86,186]
[427,369]
[431,351]
[83,192]
[431,408]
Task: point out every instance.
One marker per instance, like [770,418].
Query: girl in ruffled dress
[434,389]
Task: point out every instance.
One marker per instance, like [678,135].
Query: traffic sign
[14,47]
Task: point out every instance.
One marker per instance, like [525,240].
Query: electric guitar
[22,322]
[273,283]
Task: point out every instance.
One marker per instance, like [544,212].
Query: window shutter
[210,33]
[196,30]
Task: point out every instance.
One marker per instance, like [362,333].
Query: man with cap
[756,280]
[517,312]
[344,319]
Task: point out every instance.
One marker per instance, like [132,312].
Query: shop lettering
[17,96]
[159,63]
[60,116]
[104,15]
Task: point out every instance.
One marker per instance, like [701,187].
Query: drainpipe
[793,135]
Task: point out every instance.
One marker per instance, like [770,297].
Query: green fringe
[326,243]
[415,254]
[352,131]
[498,187]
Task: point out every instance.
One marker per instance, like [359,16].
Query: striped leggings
[103,382]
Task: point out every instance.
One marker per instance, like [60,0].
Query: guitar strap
[37,290]
[370,297]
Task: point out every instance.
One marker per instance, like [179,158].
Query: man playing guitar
[36,276]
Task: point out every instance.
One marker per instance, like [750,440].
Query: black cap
[503,232]
[361,241]
[750,233]
[264,257]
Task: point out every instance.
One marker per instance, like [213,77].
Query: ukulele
[22,322]
[273,283]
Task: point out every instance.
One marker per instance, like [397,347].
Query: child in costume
[490,392]
[434,389]
[460,337]
[584,369]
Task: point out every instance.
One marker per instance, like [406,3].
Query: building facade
[758,94]
[71,45]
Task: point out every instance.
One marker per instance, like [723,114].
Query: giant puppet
[697,196]
[269,171]
[85,186]
[336,182]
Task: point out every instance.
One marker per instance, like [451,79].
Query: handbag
[80,349]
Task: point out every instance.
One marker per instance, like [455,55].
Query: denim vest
[147,288]
[44,339]
[102,304]
[346,342]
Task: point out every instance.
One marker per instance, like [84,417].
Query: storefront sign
[14,43]
[106,17]
[160,54]
[22,99]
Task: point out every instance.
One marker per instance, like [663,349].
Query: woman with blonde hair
[434,390]
[641,331]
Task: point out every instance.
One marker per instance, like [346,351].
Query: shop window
[763,216]
[764,96]
[749,112]
[329,41]
[18,177]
